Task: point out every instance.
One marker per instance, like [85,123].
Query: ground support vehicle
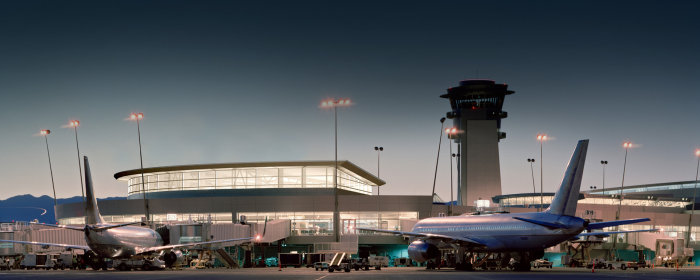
[644,264]
[403,262]
[6,264]
[61,261]
[142,264]
[43,261]
[289,259]
[320,265]
[359,263]
[622,265]
[28,261]
[542,263]
[313,258]
[378,262]
[597,263]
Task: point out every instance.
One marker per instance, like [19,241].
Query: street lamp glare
[454,130]
[133,116]
[447,130]
[697,153]
[140,115]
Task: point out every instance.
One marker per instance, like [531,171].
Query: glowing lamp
[697,153]
[454,130]
[447,130]
[324,104]
[133,116]
[140,115]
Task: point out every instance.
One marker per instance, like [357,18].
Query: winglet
[93,213]
[566,198]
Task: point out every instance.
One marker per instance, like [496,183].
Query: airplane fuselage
[122,242]
[502,233]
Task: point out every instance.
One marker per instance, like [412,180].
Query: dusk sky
[242,81]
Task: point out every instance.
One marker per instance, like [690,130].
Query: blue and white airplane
[521,236]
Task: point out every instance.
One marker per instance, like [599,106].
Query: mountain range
[27,207]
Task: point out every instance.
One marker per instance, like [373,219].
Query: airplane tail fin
[566,198]
[93,213]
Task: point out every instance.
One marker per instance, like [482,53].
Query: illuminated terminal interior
[252,176]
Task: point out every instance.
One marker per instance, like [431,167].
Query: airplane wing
[160,248]
[424,236]
[63,226]
[95,228]
[616,223]
[48,244]
[608,233]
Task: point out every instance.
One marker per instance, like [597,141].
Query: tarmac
[408,273]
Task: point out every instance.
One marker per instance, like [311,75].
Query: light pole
[74,124]
[541,138]
[604,163]
[690,217]
[450,132]
[138,117]
[451,189]
[378,149]
[336,215]
[532,160]
[627,145]
[45,133]
[442,124]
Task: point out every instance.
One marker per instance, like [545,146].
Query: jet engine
[173,258]
[422,252]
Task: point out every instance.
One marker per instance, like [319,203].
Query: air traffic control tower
[477,112]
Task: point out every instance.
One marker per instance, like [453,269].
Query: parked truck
[290,259]
[378,262]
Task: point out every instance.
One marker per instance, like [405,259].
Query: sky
[242,81]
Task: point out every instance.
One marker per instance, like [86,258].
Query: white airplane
[120,241]
[523,236]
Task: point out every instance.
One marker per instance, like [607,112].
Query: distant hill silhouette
[26,207]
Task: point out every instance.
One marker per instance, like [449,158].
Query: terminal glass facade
[634,189]
[321,223]
[248,178]
[525,200]
[225,217]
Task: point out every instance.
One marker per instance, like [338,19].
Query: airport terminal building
[299,191]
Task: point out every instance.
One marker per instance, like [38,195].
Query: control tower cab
[476,113]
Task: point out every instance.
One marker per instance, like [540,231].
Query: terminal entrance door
[349,226]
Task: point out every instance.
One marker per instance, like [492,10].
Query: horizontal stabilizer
[540,223]
[616,223]
[608,233]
